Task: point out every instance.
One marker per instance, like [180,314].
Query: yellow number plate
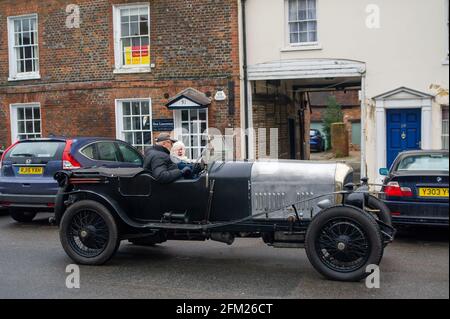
[433,192]
[31,170]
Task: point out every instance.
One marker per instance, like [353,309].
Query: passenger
[179,157]
[157,160]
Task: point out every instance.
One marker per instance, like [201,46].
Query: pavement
[33,265]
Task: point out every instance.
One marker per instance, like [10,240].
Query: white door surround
[401,98]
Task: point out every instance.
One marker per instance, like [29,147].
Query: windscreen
[424,162]
[45,149]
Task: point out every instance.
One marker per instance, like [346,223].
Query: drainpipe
[363,126]
[244,66]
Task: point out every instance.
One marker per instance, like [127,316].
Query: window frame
[14,75]
[310,45]
[177,115]
[14,119]
[119,67]
[120,135]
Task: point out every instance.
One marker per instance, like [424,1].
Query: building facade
[118,68]
[398,64]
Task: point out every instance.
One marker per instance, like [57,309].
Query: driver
[157,160]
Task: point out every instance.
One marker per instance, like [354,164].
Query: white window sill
[302,47]
[143,69]
[24,77]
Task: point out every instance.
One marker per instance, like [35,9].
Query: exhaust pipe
[227,238]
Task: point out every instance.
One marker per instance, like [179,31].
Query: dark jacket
[157,161]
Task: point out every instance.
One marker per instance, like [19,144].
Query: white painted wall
[409,48]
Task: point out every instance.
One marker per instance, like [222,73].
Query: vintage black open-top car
[289,204]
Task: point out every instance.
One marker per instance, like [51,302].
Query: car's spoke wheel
[89,233]
[343,245]
[342,241]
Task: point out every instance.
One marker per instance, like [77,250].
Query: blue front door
[403,132]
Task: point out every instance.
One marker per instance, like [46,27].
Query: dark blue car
[316,141]
[416,188]
[27,167]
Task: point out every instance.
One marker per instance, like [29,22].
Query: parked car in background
[316,141]
[416,188]
[27,167]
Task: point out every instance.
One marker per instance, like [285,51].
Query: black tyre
[89,233]
[342,241]
[380,209]
[22,216]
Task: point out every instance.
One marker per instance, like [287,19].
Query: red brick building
[110,67]
[351,107]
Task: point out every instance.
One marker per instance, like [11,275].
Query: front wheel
[89,233]
[342,241]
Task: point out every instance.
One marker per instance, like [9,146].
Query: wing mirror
[384,172]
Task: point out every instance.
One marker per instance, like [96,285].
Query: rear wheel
[342,241]
[89,233]
[22,216]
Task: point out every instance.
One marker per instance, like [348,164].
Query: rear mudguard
[60,206]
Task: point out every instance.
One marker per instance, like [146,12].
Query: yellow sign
[433,192]
[31,170]
[137,55]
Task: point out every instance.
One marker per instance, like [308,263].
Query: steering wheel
[199,166]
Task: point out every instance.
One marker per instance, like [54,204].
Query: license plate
[433,192]
[31,170]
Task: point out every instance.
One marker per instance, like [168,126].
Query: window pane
[107,152]
[145,108]
[312,25]
[138,139]
[293,10]
[21,127]
[294,38]
[125,29]
[37,126]
[303,37]
[134,28]
[143,25]
[29,127]
[17,27]
[185,115]
[25,25]
[126,108]
[302,10]
[89,152]
[303,26]
[28,113]
[129,155]
[202,115]
[20,114]
[127,123]
[129,138]
[135,108]
[136,123]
